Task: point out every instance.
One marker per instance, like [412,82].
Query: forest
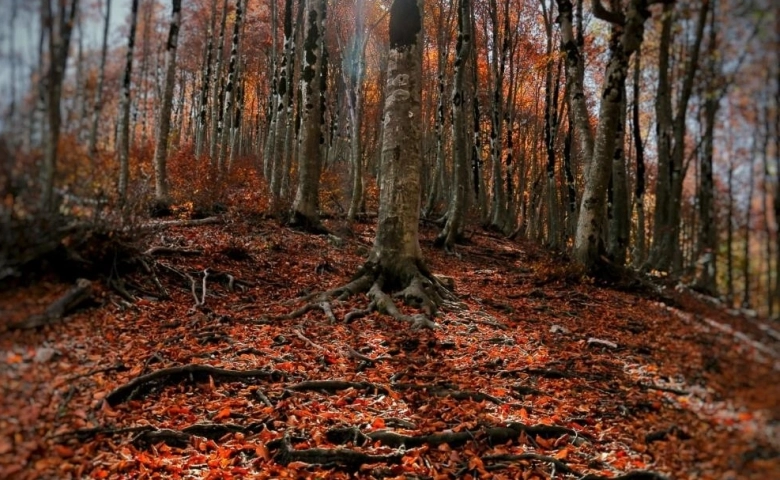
[390,239]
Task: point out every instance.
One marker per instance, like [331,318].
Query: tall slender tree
[626,37]
[57,23]
[306,205]
[459,196]
[123,131]
[164,122]
[97,105]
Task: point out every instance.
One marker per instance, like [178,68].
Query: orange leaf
[224,413]
[562,454]
[544,443]
[378,423]
[262,451]
[63,451]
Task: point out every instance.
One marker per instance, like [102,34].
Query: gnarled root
[419,289]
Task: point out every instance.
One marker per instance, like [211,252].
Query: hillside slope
[533,373]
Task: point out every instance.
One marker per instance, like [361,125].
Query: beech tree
[626,37]
[57,25]
[123,130]
[164,127]
[306,205]
[459,190]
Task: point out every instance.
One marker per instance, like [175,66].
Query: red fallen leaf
[562,454]
[100,473]
[475,463]
[64,451]
[523,414]
[262,451]
[224,413]
[544,443]
[378,423]
[5,446]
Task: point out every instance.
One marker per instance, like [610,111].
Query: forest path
[534,373]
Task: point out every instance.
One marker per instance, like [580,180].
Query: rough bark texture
[456,211]
[59,35]
[670,135]
[282,109]
[396,248]
[625,40]
[98,103]
[230,87]
[619,211]
[164,127]
[123,132]
[305,207]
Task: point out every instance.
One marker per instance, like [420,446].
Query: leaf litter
[533,373]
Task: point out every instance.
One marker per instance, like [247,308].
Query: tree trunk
[216,103]
[670,135]
[619,211]
[200,130]
[499,51]
[639,188]
[305,207]
[625,40]
[396,248]
[437,178]
[123,134]
[230,87]
[98,102]
[456,212]
[59,34]
[574,84]
[161,149]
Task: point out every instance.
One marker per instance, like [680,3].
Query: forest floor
[533,373]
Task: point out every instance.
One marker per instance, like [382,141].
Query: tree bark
[396,248]
[625,40]
[59,35]
[98,102]
[305,207]
[230,87]
[123,133]
[456,212]
[161,149]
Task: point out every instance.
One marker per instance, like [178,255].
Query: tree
[164,127]
[98,104]
[123,131]
[57,25]
[306,205]
[626,37]
[670,136]
[396,260]
[457,209]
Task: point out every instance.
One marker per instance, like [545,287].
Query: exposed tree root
[420,290]
[74,297]
[150,435]
[332,386]
[495,435]
[448,392]
[181,223]
[338,458]
[196,373]
[503,459]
